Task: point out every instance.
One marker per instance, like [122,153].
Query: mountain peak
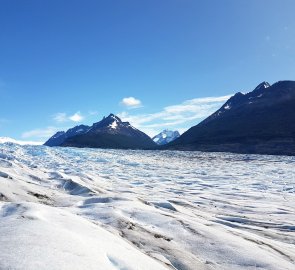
[259,122]
[166,136]
[113,117]
[262,86]
[110,132]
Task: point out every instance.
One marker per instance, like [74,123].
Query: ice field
[65,208]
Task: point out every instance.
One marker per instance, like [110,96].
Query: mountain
[166,136]
[110,132]
[60,137]
[259,122]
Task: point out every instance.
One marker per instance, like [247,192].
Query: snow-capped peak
[116,118]
[166,136]
[262,86]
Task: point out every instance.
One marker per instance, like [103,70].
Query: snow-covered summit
[262,86]
[112,124]
[166,136]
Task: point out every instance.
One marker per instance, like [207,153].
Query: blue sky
[157,63]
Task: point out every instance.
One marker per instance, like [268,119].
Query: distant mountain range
[110,132]
[259,122]
[10,140]
[166,136]
[60,137]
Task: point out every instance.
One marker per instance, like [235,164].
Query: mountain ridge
[258,122]
[110,132]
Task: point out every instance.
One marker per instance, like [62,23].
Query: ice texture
[66,208]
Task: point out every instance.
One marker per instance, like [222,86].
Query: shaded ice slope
[184,210]
[34,236]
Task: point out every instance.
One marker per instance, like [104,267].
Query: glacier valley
[66,208]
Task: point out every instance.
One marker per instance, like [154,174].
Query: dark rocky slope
[111,132]
[260,122]
[59,138]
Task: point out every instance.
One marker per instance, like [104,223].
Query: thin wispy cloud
[40,133]
[131,102]
[43,134]
[178,116]
[7,139]
[63,117]
[60,117]
[91,113]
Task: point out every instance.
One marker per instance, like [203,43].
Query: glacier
[67,208]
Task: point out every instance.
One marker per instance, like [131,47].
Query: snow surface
[227,107]
[113,125]
[64,208]
[35,236]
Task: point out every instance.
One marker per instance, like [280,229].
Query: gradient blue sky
[65,62]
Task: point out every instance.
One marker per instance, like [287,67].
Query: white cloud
[40,134]
[60,117]
[44,134]
[131,102]
[63,117]
[181,116]
[77,117]
[91,113]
